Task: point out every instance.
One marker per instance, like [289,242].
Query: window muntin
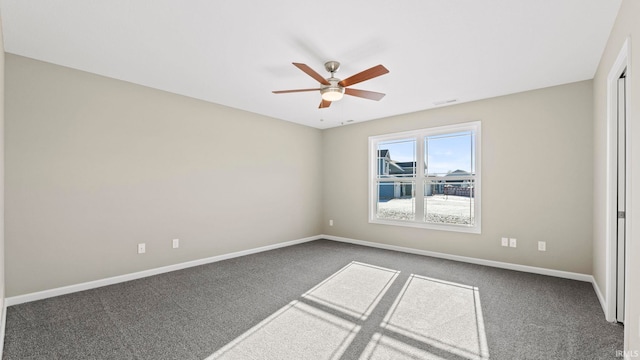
[446,153]
[396,200]
[402,164]
[447,204]
[444,161]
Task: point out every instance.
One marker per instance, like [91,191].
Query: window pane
[450,154]
[396,200]
[397,158]
[449,202]
[445,194]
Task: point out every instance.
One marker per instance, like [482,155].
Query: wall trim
[3,323]
[601,298]
[492,263]
[621,63]
[20,299]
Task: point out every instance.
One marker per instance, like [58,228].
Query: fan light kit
[333,89]
[332,93]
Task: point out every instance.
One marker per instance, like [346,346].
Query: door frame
[620,66]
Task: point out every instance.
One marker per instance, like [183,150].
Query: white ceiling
[235,53]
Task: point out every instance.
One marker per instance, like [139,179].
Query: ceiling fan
[332,88]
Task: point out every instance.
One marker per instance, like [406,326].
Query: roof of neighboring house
[458,173]
[407,164]
[394,168]
[406,167]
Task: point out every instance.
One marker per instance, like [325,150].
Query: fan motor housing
[332,92]
[332,66]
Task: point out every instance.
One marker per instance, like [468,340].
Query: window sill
[442,227]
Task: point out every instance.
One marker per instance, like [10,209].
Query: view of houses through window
[426,177]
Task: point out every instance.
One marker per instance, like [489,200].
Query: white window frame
[420,178]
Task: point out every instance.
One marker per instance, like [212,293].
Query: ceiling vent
[444,102]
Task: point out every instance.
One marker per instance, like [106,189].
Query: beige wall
[95,166]
[536,179]
[626,25]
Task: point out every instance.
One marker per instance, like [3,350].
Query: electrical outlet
[505,241]
[142,248]
[513,242]
[176,243]
[330,222]
[542,246]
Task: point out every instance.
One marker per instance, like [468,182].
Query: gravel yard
[442,209]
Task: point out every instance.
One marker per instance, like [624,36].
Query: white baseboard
[3,323]
[20,299]
[498,264]
[15,300]
[601,298]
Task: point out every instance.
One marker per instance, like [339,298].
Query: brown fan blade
[324,104]
[309,71]
[371,95]
[292,91]
[364,75]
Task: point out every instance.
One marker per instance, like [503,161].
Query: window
[427,178]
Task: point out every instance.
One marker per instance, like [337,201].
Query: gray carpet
[321,299]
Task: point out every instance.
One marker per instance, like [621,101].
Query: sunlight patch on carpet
[438,315]
[354,290]
[297,331]
[385,347]
[303,331]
